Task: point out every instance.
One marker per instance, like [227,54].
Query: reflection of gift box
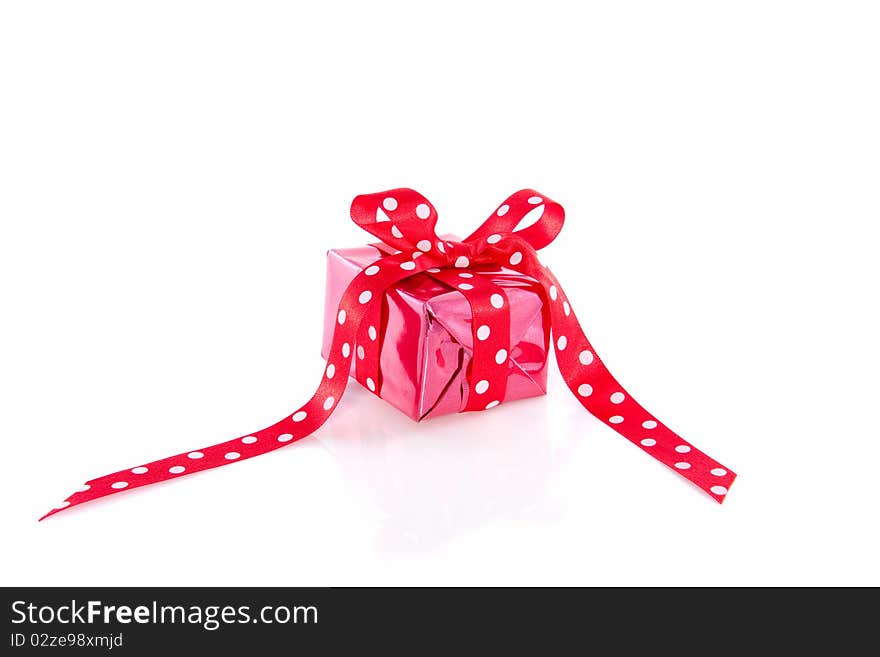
[426,337]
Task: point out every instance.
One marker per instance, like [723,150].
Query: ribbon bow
[404,220]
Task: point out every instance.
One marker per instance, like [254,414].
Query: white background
[172,173]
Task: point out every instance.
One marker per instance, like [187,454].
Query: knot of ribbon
[405,221]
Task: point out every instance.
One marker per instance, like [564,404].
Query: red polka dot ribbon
[404,220]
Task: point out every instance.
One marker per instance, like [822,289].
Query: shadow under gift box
[426,337]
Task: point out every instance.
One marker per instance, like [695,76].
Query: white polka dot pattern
[405,221]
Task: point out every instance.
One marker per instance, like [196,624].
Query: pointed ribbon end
[719,492]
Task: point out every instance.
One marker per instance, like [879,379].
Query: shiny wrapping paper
[426,339]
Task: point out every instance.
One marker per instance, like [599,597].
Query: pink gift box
[426,338]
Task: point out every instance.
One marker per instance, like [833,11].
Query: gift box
[434,325]
[426,336]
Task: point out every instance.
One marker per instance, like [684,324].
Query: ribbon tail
[361,297]
[278,435]
[600,393]
[300,424]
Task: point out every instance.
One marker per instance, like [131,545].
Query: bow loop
[402,218]
[405,220]
[543,216]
